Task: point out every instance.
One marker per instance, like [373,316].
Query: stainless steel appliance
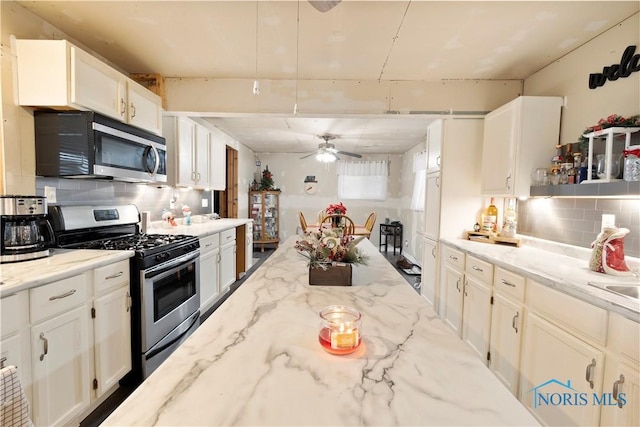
[26,232]
[84,144]
[165,286]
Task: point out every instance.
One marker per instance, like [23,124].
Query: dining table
[359,230]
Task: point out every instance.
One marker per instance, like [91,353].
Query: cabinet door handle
[129,302]
[438,160]
[438,181]
[504,282]
[616,386]
[66,294]
[133,110]
[589,374]
[123,106]
[514,322]
[46,346]
[464,288]
[433,252]
[506,182]
[113,276]
[458,285]
[477,269]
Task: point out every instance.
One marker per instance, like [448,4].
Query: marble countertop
[200,227]
[257,360]
[61,264]
[564,268]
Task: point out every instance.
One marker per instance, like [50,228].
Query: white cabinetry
[60,350]
[111,325]
[217,162]
[432,207]
[518,137]
[209,271]
[476,313]
[434,146]
[622,372]
[452,282]
[561,356]
[507,318]
[57,74]
[248,252]
[15,341]
[429,271]
[227,259]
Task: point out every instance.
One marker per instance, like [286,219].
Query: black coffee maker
[26,232]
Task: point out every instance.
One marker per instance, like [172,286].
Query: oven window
[171,291]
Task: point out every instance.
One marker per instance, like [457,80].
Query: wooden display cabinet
[264,210]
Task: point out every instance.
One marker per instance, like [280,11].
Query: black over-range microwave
[85,144]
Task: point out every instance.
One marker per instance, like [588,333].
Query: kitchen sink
[624,289]
[627,290]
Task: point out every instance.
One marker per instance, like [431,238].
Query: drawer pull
[208,244]
[589,373]
[66,294]
[113,276]
[46,346]
[514,322]
[477,269]
[504,282]
[455,258]
[616,386]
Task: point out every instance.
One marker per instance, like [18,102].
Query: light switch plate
[50,194]
[205,203]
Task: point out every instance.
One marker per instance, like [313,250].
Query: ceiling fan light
[326,157]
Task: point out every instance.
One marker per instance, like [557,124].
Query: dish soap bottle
[490,221]
[510,221]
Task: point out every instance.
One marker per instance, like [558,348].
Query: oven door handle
[160,268]
[196,317]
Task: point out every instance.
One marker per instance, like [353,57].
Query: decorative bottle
[490,222]
[510,222]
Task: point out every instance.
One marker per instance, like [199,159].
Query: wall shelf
[622,189]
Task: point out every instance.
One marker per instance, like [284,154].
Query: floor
[103,411]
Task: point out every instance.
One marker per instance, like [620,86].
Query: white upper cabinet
[57,74]
[434,146]
[518,137]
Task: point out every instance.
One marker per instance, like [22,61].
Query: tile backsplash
[577,221]
[146,197]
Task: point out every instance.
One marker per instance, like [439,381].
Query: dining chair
[348,227]
[303,222]
[321,214]
[370,222]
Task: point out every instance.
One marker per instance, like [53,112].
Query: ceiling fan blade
[324,5]
[309,155]
[346,153]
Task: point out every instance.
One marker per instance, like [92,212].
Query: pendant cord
[257,3]
[295,107]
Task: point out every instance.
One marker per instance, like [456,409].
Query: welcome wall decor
[629,63]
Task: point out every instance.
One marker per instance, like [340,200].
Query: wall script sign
[629,63]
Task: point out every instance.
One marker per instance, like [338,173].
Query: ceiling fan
[324,5]
[327,151]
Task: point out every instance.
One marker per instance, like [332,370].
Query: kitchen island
[257,360]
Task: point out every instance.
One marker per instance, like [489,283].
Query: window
[419,181]
[362,180]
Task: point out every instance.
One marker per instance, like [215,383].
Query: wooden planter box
[338,274]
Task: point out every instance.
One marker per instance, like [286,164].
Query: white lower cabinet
[60,365]
[429,271]
[15,337]
[227,258]
[248,259]
[476,313]
[111,325]
[507,319]
[452,280]
[209,271]
[622,373]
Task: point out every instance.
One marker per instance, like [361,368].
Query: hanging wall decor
[629,63]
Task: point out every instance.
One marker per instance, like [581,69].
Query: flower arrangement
[611,121]
[336,209]
[326,246]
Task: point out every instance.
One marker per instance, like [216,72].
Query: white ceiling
[355,40]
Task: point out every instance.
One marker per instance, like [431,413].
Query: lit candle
[340,329]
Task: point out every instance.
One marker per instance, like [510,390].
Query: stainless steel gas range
[165,286]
